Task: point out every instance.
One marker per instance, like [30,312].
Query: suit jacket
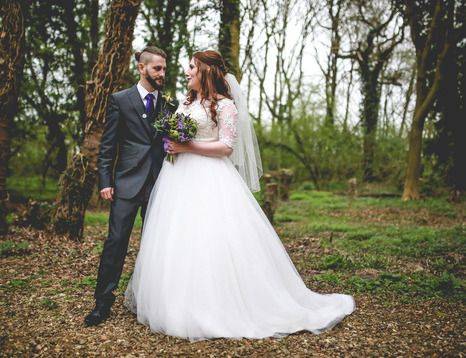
[131,148]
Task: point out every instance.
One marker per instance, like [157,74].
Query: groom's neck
[146,85]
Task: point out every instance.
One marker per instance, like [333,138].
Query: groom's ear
[140,67]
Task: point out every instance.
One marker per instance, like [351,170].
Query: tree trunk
[348,95]
[370,117]
[78,74]
[413,170]
[372,54]
[331,75]
[409,93]
[174,23]
[57,143]
[167,23]
[424,102]
[428,80]
[93,47]
[229,36]
[449,144]
[78,181]
[11,68]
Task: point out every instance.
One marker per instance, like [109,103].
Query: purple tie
[149,103]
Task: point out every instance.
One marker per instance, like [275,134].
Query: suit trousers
[122,215]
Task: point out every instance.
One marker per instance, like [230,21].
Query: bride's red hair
[211,71]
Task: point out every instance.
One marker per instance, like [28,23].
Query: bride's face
[192,76]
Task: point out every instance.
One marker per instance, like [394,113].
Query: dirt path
[46,289]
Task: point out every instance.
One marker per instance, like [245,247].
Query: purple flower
[165,143]
[177,127]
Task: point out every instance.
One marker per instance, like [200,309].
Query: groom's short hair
[145,55]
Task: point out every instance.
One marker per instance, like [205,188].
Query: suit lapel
[157,110]
[138,106]
[158,104]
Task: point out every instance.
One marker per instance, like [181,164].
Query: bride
[210,263]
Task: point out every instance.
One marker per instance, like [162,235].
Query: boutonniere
[169,101]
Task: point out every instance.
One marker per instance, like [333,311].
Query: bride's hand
[175,147]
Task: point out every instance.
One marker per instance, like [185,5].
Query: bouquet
[177,127]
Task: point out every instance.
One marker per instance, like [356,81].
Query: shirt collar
[143,92]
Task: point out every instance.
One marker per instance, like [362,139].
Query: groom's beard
[157,83]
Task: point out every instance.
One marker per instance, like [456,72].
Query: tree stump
[285,177]
[270,200]
[267,178]
[352,187]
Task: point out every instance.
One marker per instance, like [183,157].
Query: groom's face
[154,71]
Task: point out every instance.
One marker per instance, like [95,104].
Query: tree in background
[431,25]
[229,35]
[11,68]
[292,105]
[330,72]
[381,33]
[78,71]
[92,51]
[46,88]
[166,22]
[256,63]
[60,40]
[78,181]
[285,99]
[448,145]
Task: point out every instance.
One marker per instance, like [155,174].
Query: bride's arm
[211,149]
[227,122]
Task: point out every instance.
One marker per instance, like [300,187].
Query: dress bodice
[227,116]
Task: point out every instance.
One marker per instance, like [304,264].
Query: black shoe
[99,314]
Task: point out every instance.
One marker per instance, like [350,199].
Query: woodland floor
[404,263]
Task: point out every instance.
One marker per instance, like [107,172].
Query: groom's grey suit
[130,158]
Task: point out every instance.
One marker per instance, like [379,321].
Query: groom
[130,158]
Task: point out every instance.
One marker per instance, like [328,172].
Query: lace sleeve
[228,120]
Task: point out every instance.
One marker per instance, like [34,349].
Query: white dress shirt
[143,93]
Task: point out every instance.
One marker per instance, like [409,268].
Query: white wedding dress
[210,263]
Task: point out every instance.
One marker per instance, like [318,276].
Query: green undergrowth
[378,244]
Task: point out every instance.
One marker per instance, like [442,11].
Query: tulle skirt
[211,265]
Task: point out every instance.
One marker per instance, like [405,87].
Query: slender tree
[93,49]
[78,181]
[281,97]
[373,51]
[430,26]
[46,90]
[408,94]
[348,95]
[229,35]
[166,22]
[59,50]
[11,68]
[268,32]
[448,145]
[78,71]
[334,9]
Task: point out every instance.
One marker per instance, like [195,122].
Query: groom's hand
[107,194]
